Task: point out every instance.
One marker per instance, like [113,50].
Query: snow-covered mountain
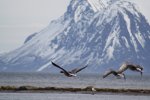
[102,36]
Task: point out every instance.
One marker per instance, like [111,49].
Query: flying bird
[71,73]
[122,69]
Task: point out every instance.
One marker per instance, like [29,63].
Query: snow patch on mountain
[96,5]
[140,39]
[126,42]
[86,34]
[127,19]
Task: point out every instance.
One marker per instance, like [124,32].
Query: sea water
[82,80]
[69,96]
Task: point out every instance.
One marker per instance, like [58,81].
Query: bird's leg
[124,76]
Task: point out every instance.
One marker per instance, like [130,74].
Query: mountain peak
[78,10]
[99,37]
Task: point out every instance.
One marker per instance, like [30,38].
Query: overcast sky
[19,18]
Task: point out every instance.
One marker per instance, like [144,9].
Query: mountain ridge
[81,36]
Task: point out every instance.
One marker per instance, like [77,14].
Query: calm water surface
[68,96]
[58,80]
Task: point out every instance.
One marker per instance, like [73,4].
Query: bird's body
[71,73]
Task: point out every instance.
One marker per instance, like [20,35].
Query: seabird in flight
[123,68]
[69,73]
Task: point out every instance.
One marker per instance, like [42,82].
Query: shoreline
[85,90]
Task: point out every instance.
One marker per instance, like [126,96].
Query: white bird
[69,73]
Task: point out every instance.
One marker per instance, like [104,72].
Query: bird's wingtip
[104,76]
[52,62]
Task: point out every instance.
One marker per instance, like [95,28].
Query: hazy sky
[19,18]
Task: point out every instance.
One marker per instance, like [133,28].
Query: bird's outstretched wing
[76,70]
[59,67]
[108,73]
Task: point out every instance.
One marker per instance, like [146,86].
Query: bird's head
[61,71]
[140,69]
